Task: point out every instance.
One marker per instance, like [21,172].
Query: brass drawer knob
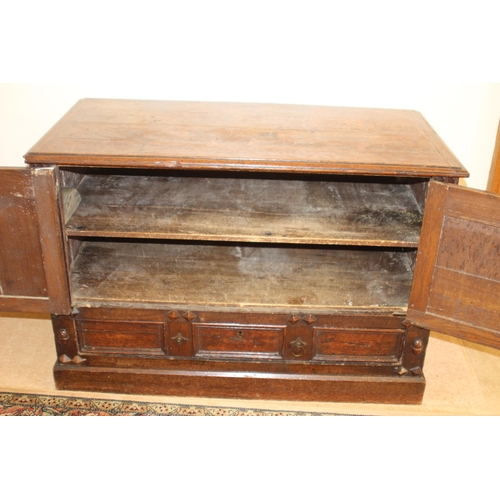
[417,346]
[64,336]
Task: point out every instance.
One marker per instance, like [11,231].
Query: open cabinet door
[456,283]
[32,269]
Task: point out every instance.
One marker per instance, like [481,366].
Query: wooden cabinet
[243,250]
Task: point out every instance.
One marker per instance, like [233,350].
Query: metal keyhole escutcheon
[179,338]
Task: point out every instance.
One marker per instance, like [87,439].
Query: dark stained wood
[336,343]
[252,250]
[299,339]
[120,337]
[21,264]
[180,337]
[388,390]
[241,209]
[233,363]
[472,256]
[440,146]
[219,335]
[456,289]
[222,276]
[244,136]
[23,286]
[18,303]
[16,183]
[252,372]
[433,217]
[257,341]
[414,349]
[472,300]
[226,349]
[51,240]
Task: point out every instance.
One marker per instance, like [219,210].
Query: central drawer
[237,341]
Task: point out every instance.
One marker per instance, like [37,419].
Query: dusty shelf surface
[253,276]
[247,209]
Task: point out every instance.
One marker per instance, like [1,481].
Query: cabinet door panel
[47,195]
[23,286]
[456,284]
[32,265]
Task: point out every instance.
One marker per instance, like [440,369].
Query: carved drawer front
[236,341]
[378,345]
[121,337]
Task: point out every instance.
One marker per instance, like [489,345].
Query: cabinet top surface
[244,136]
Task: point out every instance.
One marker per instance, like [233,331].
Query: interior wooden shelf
[269,210]
[139,274]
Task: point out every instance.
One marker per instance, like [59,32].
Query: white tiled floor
[462,378]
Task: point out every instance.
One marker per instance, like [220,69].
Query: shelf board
[249,277]
[246,209]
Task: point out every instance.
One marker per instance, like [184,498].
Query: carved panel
[378,345]
[298,341]
[179,333]
[125,337]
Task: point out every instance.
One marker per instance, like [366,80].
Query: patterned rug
[12,404]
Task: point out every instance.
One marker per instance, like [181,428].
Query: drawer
[344,344]
[120,337]
[236,341]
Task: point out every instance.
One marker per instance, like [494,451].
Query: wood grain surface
[141,274]
[456,287]
[253,210]
[23,284]
[236,136]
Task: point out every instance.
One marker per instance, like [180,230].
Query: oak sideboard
[259,251]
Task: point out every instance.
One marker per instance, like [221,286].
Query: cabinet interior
[208,239]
